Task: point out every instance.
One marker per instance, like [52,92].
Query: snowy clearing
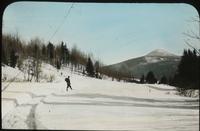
[96,104]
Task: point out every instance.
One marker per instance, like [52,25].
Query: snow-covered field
[96,104]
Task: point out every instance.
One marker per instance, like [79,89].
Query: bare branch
[192,47]
[196,19]
[194,36]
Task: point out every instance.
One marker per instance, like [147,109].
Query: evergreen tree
[19,63]
[66,54]
[36,51]
[142,79]
[13,58]
[44,51]
[96,66]
[187,75]
[63,55]
[50,50]
[73,55]
[58,64]
[90,67]
[150,78]
[4,56]
[163,80]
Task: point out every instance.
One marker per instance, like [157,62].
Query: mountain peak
[160,52]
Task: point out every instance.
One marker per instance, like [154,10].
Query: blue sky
[111,32]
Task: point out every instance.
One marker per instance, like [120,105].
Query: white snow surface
[8,73]
[160,52]
[151,59]
[95,104]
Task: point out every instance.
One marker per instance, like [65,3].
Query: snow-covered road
[97,104]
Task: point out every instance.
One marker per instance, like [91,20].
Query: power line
[68,12]
[62,22]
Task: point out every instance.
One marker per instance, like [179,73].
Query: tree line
[187,75]
[15,51]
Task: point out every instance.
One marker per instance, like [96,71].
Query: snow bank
[7,106]
[162,86]
[10,74]
[48,73]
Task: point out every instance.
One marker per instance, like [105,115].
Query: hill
[159,61]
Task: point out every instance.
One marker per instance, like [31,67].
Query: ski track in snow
[161,89]
[193,104]
[30,119]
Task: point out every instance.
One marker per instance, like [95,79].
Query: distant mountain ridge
[159,61]
[160,52]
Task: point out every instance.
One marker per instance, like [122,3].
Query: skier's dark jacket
[67,80]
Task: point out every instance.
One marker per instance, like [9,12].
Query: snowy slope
[47,71]
[96,104]
[8,73]
[160,52]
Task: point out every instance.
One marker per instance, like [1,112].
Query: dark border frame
[5,3]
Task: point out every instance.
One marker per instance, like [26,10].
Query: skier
[68,83]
